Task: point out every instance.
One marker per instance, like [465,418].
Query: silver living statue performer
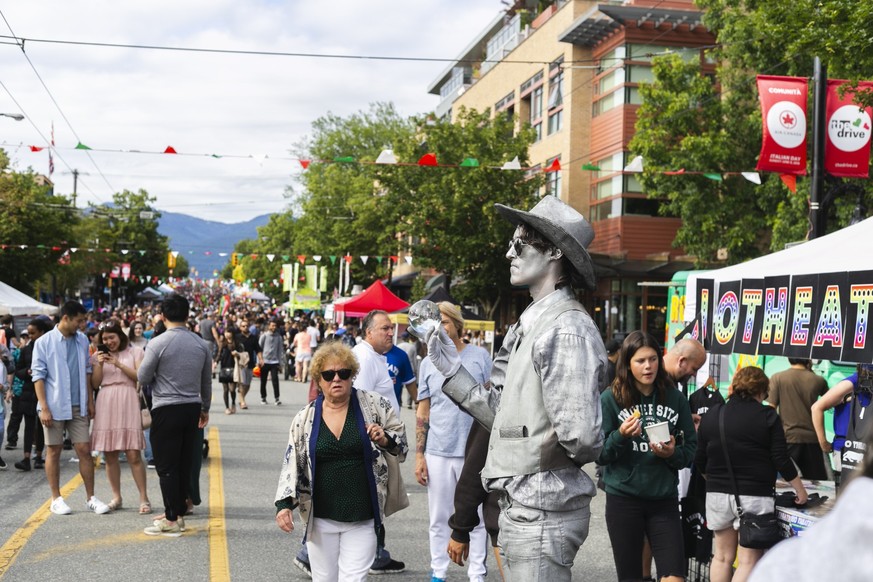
[543,406]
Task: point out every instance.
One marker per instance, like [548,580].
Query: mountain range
[200,241]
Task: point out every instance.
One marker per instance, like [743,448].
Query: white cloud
[117,98]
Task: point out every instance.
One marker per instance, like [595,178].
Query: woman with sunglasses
[641,470]
[341,491]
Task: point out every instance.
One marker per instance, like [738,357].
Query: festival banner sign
[824,316]
[783,106]
[847,146]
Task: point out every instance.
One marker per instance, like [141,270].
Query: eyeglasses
[517,245]
[328,375]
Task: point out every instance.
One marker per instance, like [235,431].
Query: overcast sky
[235,105]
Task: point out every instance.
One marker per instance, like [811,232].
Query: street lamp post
[15,116]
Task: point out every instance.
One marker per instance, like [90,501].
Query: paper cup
[658,432]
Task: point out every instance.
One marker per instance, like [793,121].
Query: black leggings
[628,518]
[229,394]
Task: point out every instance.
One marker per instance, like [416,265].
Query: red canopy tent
[376,296]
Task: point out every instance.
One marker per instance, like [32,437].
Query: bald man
[684,359]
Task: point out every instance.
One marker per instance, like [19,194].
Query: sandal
[145,508]
[114,504]
[227,411]
[243,406]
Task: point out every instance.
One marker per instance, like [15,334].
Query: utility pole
[75,185]
[817,211]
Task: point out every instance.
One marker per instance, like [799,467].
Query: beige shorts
[721,509]
[78,430]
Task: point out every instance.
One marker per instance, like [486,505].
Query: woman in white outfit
[440,435]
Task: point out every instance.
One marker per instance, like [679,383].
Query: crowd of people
[500,444]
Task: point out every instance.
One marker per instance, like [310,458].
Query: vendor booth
[14,302]
[376,296]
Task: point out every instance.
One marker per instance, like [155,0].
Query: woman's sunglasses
[344,374]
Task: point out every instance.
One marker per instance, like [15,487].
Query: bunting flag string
[429,160]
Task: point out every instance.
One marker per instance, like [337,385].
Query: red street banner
[783,106]
[847,147]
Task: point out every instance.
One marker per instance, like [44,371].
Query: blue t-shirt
[400,370]
[73,364]
[449,425]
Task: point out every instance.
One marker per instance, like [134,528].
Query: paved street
[232,535]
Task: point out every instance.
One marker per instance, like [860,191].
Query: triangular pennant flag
[174,253]
[170,150]
[513,165]
[364,258]
[286,257]
[753,177]
[216,156]
[124,251]
[386,157]
[304,164]
[635,166]
[789,180]
[22,247]
[344,159]
[379,260]
[347,258]
[470,163]
[73,249]
[222,254]
[332,259]
[408,259]
[428,160]
[394,258]
[301,259]
[207,253]
[81,146]
[56,248]
[142,253]
[714,177]
[591,167]
[36,149]
[316,258]
[674,172]
[555,167]
[254,256]
[271,257]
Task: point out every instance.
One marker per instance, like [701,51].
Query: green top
[630,468]
[341,491]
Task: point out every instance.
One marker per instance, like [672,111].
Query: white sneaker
[60,507]
[97,506]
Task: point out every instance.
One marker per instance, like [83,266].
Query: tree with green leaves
[685,122]
[35,228]
[448,212]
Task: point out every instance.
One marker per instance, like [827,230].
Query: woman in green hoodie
[640,474]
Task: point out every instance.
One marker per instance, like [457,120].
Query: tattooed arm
[422,426]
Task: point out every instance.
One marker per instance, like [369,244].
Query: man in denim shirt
[61,372]
[546,381]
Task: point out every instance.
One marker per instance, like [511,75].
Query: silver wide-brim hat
[564,227]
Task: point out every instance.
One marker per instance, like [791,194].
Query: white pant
[340,550]
[442,478]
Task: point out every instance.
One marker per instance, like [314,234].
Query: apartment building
[572,69]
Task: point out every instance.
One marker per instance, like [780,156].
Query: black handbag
[225,375]
[758,532]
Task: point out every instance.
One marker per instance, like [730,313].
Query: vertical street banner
[783,107]
[847,145]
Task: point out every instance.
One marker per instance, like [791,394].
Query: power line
[21,41]
[57,105]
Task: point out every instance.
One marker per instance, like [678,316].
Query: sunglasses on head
[344,374]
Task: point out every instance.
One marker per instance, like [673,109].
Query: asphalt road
[231,536]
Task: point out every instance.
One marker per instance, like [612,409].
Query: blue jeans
[540,545]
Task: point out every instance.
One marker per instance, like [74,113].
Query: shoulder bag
[759,532]
[144,412]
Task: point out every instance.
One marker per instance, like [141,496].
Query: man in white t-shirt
[378,332]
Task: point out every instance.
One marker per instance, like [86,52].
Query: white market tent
[847,250]
[14,302]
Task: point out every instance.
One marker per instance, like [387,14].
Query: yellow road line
[16,542]
[219,562]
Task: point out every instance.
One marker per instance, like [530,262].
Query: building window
[553,179]
[556,91]
[556,121]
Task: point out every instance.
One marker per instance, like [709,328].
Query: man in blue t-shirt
[400,370]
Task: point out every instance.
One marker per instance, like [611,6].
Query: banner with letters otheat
[783,106]
[847,147]
[824,316]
